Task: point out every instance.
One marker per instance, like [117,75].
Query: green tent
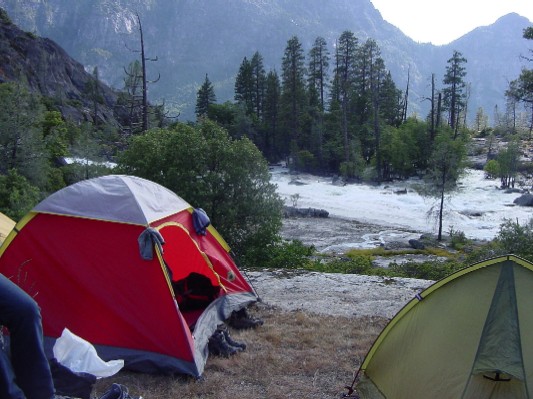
[469,335]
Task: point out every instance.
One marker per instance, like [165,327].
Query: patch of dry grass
[293,355]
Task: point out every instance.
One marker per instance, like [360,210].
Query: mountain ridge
[47,69]
[214,36]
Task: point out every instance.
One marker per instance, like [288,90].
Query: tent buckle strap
[497,377]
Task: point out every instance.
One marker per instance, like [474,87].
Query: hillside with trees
[324,112]
[193,38]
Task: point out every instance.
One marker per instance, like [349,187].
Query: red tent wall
[88,276]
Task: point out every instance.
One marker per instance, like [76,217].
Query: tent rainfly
[466,336]
[106,258]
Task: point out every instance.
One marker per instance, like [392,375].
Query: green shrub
[17,195]
[479,253]
[457,238]
[4,17]
[430,270]
[345,265]
[515,238]
[305,161]
[492,169]
[287,255]
[347,169]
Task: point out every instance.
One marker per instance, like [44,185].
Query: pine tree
[271,115]
[454,92]
[377,75]
[293,94]
[205,97]
[244,86]
[318,69]
[344,78]
[258,84]
[446,166]
[392,104]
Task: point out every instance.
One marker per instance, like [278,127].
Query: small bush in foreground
[457,238]
[430,270]
[288,255]
[516,238]
[345,265]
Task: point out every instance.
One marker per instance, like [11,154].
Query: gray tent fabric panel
[118,198]
[500,348]
[498,369]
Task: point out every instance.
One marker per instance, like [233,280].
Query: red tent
[100,258]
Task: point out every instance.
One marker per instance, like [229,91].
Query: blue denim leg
[21,315]
[8,387]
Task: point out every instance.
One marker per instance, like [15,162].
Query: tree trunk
[439,110]
[406,97]
[145,89]
[531,122]
[345,129]
[433,129]
[441,212]
[378,138]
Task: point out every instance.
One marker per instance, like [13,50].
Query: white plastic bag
[80,356]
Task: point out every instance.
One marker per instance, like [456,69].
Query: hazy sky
[441,22]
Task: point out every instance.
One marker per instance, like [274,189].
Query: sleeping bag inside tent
[129,266]
[466,336]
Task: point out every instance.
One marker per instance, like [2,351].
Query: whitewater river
[372,214]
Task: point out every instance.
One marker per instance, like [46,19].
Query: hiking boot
[241,320]
[117,391]
[218,345]
[231,341]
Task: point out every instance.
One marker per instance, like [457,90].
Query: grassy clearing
[381,251]
[293,355]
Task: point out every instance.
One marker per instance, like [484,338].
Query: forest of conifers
[339,111]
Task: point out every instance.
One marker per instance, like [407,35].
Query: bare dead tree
[406,96]
[145,81]
[433,112]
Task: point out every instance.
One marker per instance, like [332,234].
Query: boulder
[291,211]
[416,244]
[395,245]
[524,200]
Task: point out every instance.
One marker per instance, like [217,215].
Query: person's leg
[8,387]
[21,315]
